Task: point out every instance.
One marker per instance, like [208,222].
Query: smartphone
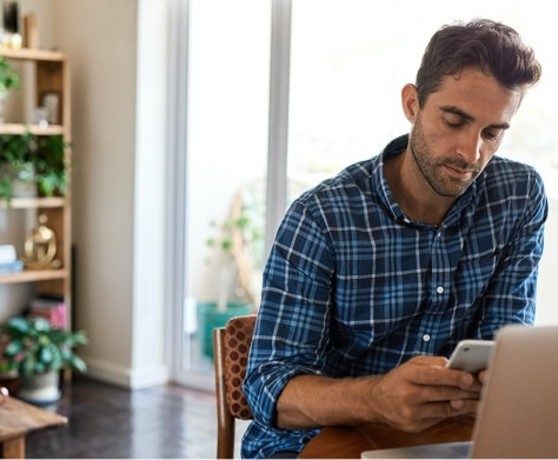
[471,355]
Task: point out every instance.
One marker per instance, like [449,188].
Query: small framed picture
[50,100]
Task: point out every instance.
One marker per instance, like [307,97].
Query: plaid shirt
[352,287]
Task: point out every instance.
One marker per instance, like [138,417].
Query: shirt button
[439,235]
[440,289]
[426,337]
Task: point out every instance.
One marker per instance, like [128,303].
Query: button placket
[439,280]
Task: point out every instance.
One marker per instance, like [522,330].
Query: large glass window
[228,94]
[350,59]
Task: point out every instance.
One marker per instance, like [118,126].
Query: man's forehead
[477,95]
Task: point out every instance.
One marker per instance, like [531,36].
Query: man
[375,275]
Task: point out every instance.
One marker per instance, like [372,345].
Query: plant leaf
[78,364]
[45,355]
[13,348]
[18,325]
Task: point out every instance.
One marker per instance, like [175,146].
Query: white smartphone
[471,355]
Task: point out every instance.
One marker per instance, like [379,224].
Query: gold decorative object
[41,247]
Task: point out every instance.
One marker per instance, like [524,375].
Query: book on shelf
[52,308]
[11,267]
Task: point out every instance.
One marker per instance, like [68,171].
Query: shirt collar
[383,191]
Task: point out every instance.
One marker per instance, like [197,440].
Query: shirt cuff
[264,386]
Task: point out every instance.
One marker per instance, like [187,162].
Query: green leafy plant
[35,347]
[49,164]
[237,241]
[251,233]
[32,158]
[9,78]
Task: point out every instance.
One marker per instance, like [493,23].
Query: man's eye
[490,135]
[454,125]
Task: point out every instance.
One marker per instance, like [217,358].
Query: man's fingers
[438,410]
[448,409]
[465,406]
[433,375]
[445,393]
[424,360]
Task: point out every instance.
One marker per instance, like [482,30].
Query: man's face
[460,128]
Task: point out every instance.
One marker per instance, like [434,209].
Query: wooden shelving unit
[27,54]
[14,128]
[51,74]
[34,203]
[28,276]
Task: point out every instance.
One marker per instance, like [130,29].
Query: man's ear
[410,102]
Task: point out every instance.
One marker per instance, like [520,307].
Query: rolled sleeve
[293,320]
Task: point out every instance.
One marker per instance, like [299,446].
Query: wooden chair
[231,345]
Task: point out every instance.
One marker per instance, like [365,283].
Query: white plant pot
[24,188]
[40,388]
[20,188]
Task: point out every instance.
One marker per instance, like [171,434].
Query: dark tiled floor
[110,422]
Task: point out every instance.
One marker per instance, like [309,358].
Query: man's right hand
[422,392]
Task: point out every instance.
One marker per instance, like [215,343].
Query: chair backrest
[231,346]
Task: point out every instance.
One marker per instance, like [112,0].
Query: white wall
[148,318]
[100,40]
[547,291]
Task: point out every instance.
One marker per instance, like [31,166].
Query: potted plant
[50,168]
[37,352]
[8,377]
[233,245]
[17,172]
[31,163]
[9,79]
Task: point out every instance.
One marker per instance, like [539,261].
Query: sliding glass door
[228,94]
[336,69]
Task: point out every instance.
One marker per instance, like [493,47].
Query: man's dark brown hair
[490,46]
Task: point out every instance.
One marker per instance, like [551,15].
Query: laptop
[518,413]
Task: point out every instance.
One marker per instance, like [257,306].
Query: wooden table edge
[350,442]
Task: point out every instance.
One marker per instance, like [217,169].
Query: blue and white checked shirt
[352,287]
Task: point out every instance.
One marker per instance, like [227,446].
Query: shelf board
[27,276]
[34,203]
[17,128]
[28,54]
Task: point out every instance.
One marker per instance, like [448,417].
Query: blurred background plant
[35,347]
[9,80]
[239,241]
[35,160]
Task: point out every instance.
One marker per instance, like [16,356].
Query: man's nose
[470,147]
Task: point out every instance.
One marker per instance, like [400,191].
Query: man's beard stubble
[430,168]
